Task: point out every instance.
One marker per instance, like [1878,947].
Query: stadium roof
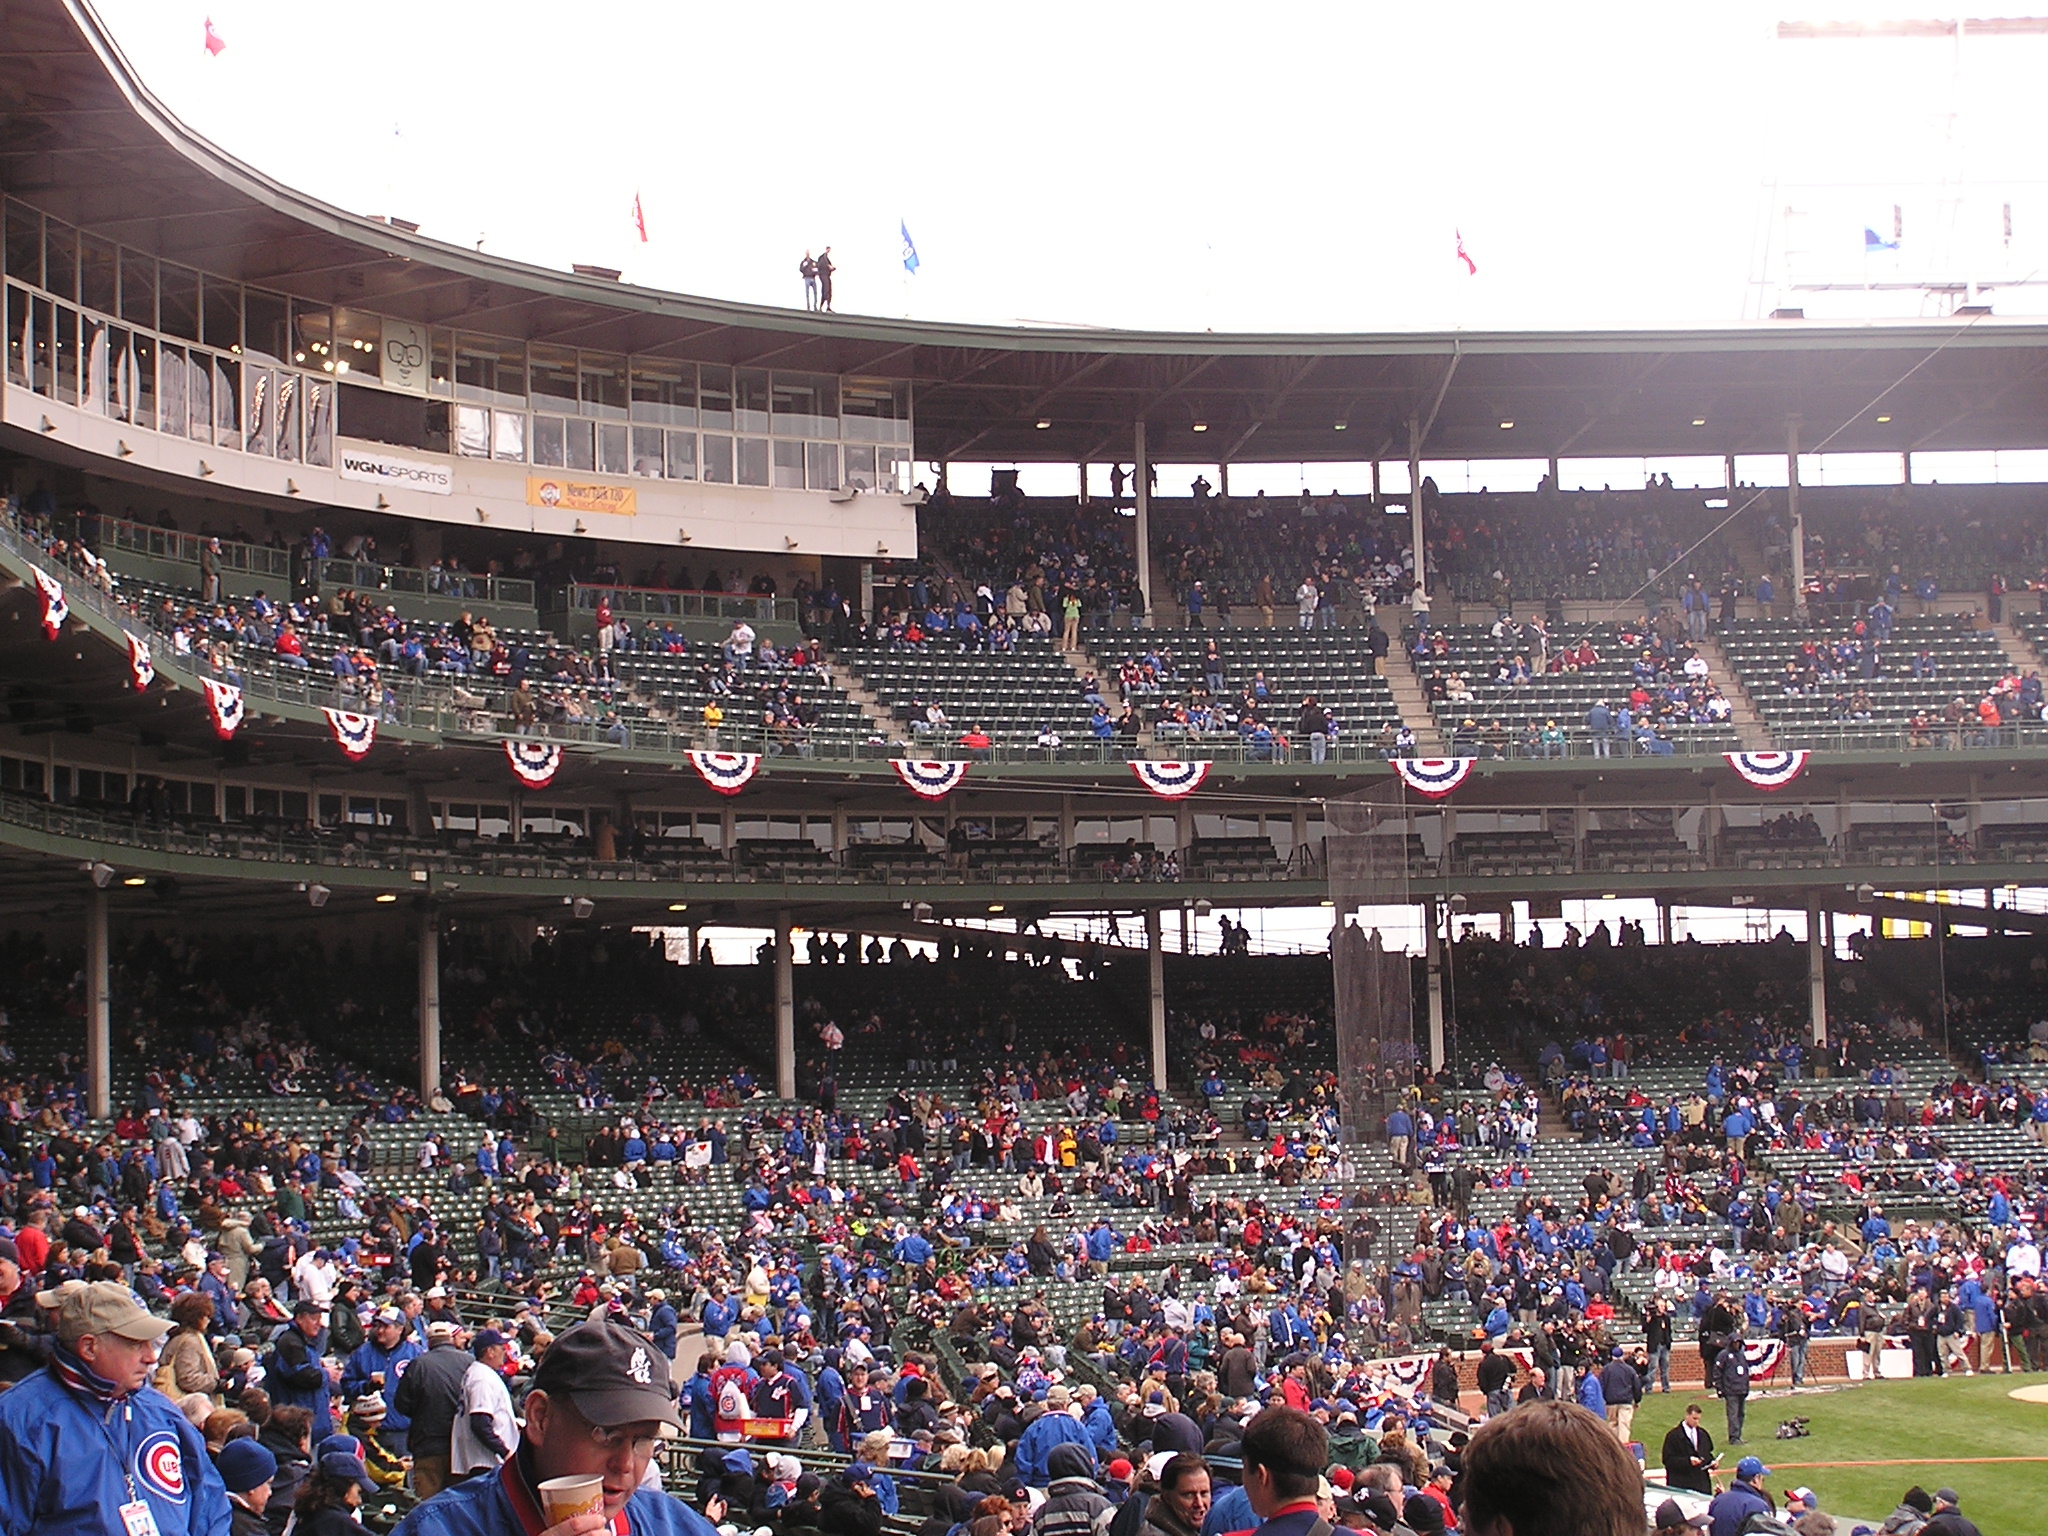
[82,138]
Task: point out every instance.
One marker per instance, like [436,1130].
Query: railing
[661,603]
[462,586]
[183,548]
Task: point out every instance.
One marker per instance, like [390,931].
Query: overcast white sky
[1138,164]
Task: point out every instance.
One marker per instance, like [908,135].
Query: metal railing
[661,603]
[459,586]
[184,548]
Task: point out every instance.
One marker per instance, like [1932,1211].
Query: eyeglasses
[612,1441]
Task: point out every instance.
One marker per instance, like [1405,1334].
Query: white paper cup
[562,1497]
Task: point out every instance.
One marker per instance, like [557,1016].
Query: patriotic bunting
[726,772]
[223,707]
[1767,770]
[1764,1356]
[139,665]
[55,609]
[533,763]
[354,734]
[1171,780]
[932,781]
[1434,776]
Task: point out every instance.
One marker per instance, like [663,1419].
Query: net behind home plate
[1367,861]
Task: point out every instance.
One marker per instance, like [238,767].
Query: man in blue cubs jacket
[600,1397]
[88,1446]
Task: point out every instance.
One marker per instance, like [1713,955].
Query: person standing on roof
[825,271]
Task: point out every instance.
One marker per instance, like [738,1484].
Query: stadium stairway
[2018,647]
[1084,664]
[1409,698]
[1750,729]
[884,725]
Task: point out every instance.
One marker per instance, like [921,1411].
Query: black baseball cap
[610,1374]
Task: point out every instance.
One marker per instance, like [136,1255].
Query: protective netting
[1370,850]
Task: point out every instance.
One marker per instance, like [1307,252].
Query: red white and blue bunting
[1767,770]
[223,707]
[1434,776]
[1171,780]
[55,609]
[931,781]
[140,667]
[1764,1356]
[354,734]
[726,772]
[533,763]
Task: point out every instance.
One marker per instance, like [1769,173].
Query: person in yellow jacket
[387,1469]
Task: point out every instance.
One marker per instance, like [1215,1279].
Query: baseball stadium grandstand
[577,907]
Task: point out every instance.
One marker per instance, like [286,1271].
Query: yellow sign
[580,496]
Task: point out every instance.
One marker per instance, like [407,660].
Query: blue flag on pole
[909,247]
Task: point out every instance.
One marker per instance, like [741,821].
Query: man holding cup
[601,1396]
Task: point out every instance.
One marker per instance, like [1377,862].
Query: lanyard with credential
[137,1519]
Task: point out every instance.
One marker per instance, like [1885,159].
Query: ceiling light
[1699,421]
[995,906]
[136,880]
[387,898]
[1882,420]
[1340,426]
[679,906]
[1044,422]
[1506,425]
[1201,426]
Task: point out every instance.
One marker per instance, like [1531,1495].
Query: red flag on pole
[639,219]
[214,44]
[1471,266]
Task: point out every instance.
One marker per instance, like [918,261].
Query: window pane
[806,405]
[179,290]
[313,336]
[41,346]
[60,259]
[261,385]
[892,470]
[718,459]
[548,441]
[138,289]
[141,387]
[508,435]
[99,272]
[821,468]
[171,388]
[789,464]
[647,451]
[473,431]
[199,394]
[860,467]
[358,344]
[664,392]
[490,370]
[604,385]
[24,243]
[17,335]
[441,365]
[877,410]
[552,378]
[752,399]
[286,436]
[714,397]
[221,320]
[612,458]
[753,461]
[268,318]
[682,455]
[65,353]
[580,449]
[319,420]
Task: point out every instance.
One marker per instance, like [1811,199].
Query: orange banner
[581,495]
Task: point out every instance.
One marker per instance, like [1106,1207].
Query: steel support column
[430,1003]
[1142,487]
[99,1030]
[1155,967]
[785,1011]
[1792,518]
[1432,917]
[1816,976]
